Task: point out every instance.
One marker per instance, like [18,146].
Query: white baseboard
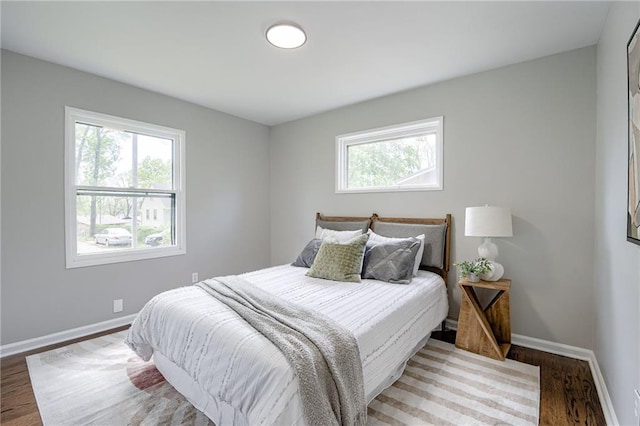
[571,352]
[74,333]
[603,393]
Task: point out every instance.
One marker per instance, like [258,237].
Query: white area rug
[102,382]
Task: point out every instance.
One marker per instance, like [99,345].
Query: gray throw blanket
[323,354]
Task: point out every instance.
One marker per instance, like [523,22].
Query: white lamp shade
[488,221]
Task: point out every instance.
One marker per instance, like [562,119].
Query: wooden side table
[485,331]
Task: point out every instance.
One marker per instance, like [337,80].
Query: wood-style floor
[568,394]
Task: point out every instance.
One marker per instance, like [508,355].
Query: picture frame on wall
[633,164]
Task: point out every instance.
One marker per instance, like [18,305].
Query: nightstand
[485,331]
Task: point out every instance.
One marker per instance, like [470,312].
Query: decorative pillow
[340,261]
[434,241]
[336,236]
[373,237]
[390,261]
[308,254]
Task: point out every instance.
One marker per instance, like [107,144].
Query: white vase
[473,278]
[496,272]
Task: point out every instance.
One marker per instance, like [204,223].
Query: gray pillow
[308,254]
[434,236]
[391,261]
[342,225]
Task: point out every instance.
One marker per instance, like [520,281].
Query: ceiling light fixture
[286,36]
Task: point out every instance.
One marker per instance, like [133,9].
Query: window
[403,157]
[116,169]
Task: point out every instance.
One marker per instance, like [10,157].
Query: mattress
[244,379]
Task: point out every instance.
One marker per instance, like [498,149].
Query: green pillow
[340,261]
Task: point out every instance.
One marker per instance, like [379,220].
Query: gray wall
[617,262]
[227,175]
[521,136]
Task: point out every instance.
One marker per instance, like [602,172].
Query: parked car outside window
[153,239]
[113,237]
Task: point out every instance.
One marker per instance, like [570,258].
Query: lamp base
[488,249]
[496,272]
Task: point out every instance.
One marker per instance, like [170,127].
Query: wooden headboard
[442,271]
[320,216]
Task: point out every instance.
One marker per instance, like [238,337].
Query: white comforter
[246,376]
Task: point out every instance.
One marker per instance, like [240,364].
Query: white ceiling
[214,53]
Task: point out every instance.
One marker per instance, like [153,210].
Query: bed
[235,375]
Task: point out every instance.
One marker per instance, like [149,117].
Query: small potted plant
[471,270]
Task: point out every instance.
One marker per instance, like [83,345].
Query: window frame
[413,128]
[75,260]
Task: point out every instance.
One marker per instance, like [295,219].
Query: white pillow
[332,236]
[375,238]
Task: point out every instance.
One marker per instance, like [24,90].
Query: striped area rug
[443,385]
[101,382]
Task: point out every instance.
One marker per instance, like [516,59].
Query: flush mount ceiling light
[286,36]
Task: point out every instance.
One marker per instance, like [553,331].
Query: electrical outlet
[194,277]
[118,306]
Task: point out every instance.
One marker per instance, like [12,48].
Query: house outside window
[402,157]
[115,169]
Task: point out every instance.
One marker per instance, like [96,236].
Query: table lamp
[487,222]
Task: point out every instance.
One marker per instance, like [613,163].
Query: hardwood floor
[567,391]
